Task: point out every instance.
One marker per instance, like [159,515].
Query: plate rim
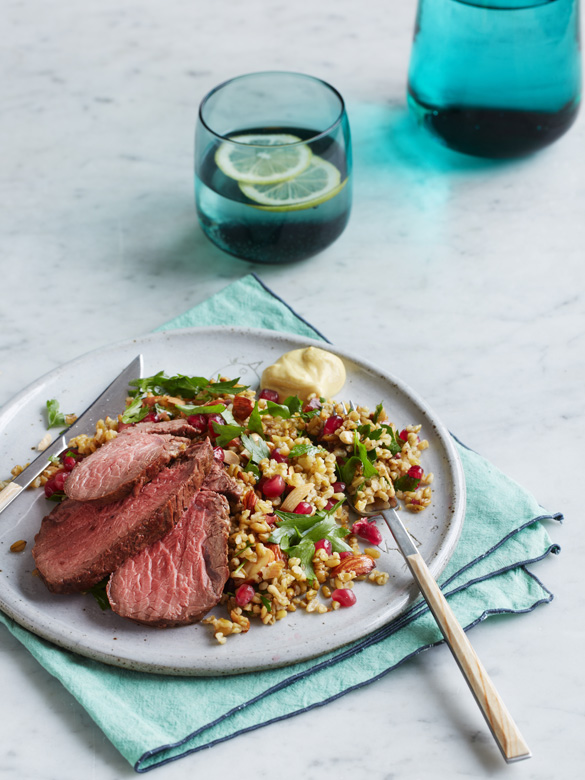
[10,410]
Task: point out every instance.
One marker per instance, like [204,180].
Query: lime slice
[263,159]
[316,184]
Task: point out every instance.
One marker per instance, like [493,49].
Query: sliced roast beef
[220,481]
[80,543]
[178,427]
[122,465]
[178,579]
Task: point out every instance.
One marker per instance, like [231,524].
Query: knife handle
[8,494]
[499,720]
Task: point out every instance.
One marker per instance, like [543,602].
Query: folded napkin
[153,719]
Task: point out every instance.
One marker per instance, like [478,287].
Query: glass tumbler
[496,78]
[273,166]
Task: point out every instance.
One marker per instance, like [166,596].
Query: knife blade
[111,401]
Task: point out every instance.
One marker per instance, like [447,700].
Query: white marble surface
[476,277]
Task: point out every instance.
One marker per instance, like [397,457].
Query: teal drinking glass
[496,78]
[273,166]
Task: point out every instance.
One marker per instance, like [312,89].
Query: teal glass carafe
[496,78]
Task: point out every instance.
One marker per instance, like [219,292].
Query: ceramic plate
[76,622]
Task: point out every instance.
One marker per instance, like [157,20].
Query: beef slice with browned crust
[80,543]
[177,580]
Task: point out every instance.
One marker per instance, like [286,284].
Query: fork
[500,722]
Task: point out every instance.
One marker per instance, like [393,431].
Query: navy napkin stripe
[416,611]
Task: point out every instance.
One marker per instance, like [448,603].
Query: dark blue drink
[496,78]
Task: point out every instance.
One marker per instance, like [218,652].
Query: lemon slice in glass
[316,184]
[263,159]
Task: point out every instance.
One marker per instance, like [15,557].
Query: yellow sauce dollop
[305,371]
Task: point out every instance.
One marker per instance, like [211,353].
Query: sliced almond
[358,564]
[295,497]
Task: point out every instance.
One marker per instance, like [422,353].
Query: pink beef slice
[177,580]
[178,427]
[220,481]
[122,465]
[80,543]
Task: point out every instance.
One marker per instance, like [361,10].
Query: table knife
[111,402]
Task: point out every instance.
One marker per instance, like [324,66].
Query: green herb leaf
[266,602]
[305,550]
[178,385]
[225,433]
[258,449]
[255,421]
[276,410]
[303,449]
[55,418]
[378,411]
[396,442]
[57,496]
[252,467]
[294,404]
[406,483]
[135,412]
[194,409]
[229,417]
[100,595]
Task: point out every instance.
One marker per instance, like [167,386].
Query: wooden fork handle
[499,720]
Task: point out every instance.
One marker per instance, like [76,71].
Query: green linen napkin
[153,719]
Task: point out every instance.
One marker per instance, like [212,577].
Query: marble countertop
[464,278]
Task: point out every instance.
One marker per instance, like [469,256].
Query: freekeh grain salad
[293,543]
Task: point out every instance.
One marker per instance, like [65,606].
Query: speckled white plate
[78,624]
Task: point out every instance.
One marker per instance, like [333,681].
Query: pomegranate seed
[198,421]
[344,596]
[304,508]
[332,424]
[213,418]
[269,395]
[329,505]
[415,472]
[403,435]
[49,487]
[68,462]
[314,403]
[278,457]
[273,487]
[344,554]
[367,531]
[338,487]
[150,417]
[324,544]
[244,595]
[60,478]
[218,454]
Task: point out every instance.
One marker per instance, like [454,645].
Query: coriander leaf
[276,410]
[266,603]
[377,412]
[349,468]
[303,449]
[306,416]
[135,412]
[368,469]
[292,520]
[229,386]
[194,409]
[100,595]
[55,418]
[251,466]
[57,496]
[294,403]
[406,483]
[305,550]
[178,385]
[396,442]
[258,449]
[225,433]
[284,536]
[228,416]
[364,430]
[255,421]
